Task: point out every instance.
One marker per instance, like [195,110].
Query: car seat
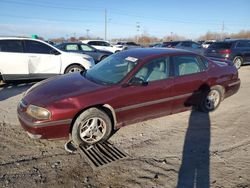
[158,72]
[188,68]
[143,72]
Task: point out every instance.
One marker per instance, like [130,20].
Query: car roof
[235,40]
[171,41]
[22,38]
[95,40]
[17,38]
[73,43]
[142,53]
[225,41]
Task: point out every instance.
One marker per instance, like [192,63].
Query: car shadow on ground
[14,88]
[194,170]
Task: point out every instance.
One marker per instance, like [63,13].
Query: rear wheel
[238,61]
[103,57]
[211,100]
[74,68]
[91,126]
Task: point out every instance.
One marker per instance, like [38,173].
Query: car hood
[58,88]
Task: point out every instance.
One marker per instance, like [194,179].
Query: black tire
[74,68]
[238,61]
[209,105]
[82,128]
[103,57]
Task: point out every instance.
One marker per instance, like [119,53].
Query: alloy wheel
[237,63]
[212,100]
[92,130]
[75,69]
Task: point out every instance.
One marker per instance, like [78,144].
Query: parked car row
[103,45]
[127,45]
[235,50]
[37,59]
[186,45]
[26,58]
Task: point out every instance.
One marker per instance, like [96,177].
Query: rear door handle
[32,56]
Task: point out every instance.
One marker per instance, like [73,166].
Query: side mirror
[55,52]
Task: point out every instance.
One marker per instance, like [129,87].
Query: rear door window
[87,48]
[221,45]
[11,46]
[105,44]
[243,44]
[37,47]
[93,43]
[72,47]
[185,65]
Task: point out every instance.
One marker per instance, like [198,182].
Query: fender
[112,111]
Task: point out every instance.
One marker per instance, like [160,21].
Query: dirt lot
[189,149]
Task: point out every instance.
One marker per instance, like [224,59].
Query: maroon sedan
[125,88]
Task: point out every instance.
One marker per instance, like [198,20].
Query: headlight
[38,112]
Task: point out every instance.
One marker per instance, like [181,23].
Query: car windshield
[112,69]
[170,44]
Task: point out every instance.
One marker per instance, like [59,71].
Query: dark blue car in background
[236,50]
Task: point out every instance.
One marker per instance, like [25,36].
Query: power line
[49,6]
[50,20]
[122,13]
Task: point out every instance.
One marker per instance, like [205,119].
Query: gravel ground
[188,149]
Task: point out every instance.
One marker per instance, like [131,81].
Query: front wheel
[74,68]
[211,100]
[238,61]
[91,126]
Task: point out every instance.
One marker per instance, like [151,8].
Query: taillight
[227,51]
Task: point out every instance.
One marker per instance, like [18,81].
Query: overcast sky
[61,18]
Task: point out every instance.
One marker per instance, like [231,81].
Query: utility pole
[105,14]
[222,30]
[137,29]
[87,30]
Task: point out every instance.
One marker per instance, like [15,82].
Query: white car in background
[103,45]
[207,43]
[26,58]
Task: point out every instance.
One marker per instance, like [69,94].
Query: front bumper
[44,130]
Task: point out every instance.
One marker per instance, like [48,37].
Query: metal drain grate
[102,154]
